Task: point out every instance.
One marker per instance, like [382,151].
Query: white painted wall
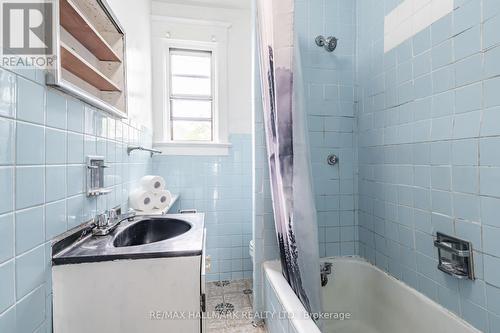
[134,15]
[238,46]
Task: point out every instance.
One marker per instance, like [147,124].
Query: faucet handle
[102,220]
[326,267]
[112,215]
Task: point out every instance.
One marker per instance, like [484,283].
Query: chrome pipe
[152,151]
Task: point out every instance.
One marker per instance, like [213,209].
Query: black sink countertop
[76,247]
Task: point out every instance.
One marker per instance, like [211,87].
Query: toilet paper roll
[141,200]
[162,199]
[152,183]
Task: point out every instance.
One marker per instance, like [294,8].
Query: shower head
[329,43]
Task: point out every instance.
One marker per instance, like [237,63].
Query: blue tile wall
[42,186]
[329,80]
[221,187]
[428,161]
[275,324]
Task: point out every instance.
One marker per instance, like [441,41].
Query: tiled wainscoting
[274,306]
[429,133]
[283,311]
[44,138]
[221,187]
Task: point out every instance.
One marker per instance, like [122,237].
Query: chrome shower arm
[152,151]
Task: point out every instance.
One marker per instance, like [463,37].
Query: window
[191,95]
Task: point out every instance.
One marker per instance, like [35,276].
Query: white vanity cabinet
[157,295]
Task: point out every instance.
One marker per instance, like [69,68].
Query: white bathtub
[375,301]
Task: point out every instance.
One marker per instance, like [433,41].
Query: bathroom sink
[145,263]
[150,231]
[141,237]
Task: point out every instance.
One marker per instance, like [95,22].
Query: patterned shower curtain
[288,151]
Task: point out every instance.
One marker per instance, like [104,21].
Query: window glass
[191,95]
[192,130]
[189,86]
[185,108]
[188,63]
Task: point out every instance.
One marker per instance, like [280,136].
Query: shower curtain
[288,151]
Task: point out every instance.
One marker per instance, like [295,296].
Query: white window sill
[193,148]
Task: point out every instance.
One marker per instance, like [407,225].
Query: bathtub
[359,297]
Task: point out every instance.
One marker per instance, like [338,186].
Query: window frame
[219,95]
[171,97]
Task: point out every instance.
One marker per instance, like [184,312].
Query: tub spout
[326,269]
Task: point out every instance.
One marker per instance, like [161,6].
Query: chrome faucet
[326,269]
[109,220]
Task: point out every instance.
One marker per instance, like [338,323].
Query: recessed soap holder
[95,176]
[455,256]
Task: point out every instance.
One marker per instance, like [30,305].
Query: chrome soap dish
[455,256]
[95,176]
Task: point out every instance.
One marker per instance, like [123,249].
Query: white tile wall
[411,17]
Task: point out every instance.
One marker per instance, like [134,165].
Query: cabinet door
[128,296]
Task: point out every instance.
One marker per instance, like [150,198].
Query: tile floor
[220,296]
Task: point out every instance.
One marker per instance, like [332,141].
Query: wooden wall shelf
[74,21]
[91,61]
[75,64]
